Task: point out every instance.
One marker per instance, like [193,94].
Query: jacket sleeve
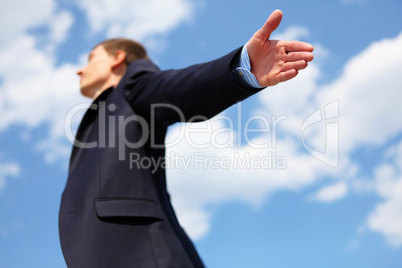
[192,94]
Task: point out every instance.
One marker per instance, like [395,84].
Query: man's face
[95,76]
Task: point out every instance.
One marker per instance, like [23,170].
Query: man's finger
[287,75]
[270,25]
[296,56]
[294,46]
[296,65]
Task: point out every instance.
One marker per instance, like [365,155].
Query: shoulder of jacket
[142,66]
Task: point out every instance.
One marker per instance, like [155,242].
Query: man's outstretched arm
[207,89]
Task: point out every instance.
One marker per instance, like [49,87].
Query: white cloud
[8,169]
[36,91]
[246,174]
[387,216]
[33,90]
[23,15]
[291,33]
[19,15]
[331,193]
[143,18]
[60,24]
[54,149]
[367,91]
[29,76]
[368,94]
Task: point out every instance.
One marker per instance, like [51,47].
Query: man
[114,214]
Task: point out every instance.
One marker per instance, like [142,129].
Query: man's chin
[86,92]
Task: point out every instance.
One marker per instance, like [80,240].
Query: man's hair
[134,50]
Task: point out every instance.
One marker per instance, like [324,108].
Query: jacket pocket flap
[128,208]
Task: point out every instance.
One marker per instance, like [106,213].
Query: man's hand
[274,61]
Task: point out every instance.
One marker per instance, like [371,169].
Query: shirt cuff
[241,73]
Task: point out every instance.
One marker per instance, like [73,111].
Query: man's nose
[80,71]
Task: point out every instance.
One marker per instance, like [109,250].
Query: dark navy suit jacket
[115,214]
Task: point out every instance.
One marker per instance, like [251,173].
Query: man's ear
[119,58]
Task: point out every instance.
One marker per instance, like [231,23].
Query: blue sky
[335,201]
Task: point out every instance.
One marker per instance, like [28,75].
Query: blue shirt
[241,74]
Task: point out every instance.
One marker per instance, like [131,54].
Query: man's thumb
[271,24]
